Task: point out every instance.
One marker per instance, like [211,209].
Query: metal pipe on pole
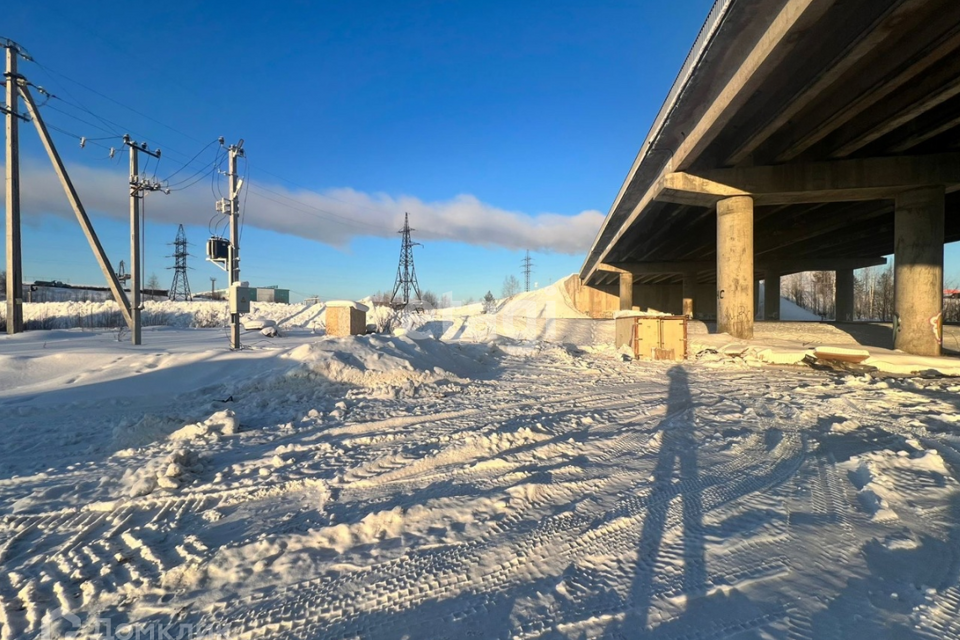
[14,287]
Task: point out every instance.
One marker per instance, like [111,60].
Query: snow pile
[166,472]
[221,423]
[878,477]
[795,313]
[380,361]
[548,302]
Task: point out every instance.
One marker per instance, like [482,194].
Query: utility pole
[235,183]
[138,186]
[231,207]
[14,261]
[527,265]
[213,287]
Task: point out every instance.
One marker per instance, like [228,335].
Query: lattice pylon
[406,271]
[180,289]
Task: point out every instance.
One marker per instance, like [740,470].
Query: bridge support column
[843,302]
[735,301]
[689,292]
[626,291]
[771,295]
[918,271]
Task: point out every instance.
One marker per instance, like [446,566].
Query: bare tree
[429,299]
[153,282]
[511,286]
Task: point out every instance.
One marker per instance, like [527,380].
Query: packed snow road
[386,487]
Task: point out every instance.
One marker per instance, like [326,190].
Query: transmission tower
[527,264]
[406,272]
[180,289]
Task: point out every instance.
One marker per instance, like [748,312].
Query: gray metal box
[240,299]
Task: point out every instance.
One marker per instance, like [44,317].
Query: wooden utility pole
[14,262]
[138,186]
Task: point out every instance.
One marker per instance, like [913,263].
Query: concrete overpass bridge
[800,135]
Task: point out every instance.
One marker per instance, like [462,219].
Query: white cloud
[333,217]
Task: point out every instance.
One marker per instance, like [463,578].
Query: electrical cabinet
[240,298]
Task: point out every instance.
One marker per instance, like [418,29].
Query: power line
[315,208]
[117,102]
[311,190]
[337,219]
[191,160]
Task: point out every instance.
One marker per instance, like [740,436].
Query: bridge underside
[827,133]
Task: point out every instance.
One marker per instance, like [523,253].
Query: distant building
[272,294]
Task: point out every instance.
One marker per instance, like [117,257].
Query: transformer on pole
[180,289]
[406,272]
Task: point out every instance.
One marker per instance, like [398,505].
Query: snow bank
[379,361]
[549,302]
[181,314]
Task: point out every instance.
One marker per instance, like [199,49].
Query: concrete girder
[871,86]
[784,267]
[649,268]
[834,181]
[800,265]
[886,26]
[898,113]
[776,240]
[918,139]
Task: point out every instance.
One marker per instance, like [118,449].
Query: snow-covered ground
[517,478]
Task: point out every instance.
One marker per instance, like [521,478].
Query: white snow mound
[378,360]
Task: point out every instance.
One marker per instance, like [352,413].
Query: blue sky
[500,126]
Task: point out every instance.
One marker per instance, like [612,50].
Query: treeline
[872,292]
[429,299]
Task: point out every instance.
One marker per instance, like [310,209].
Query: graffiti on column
[936,323]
